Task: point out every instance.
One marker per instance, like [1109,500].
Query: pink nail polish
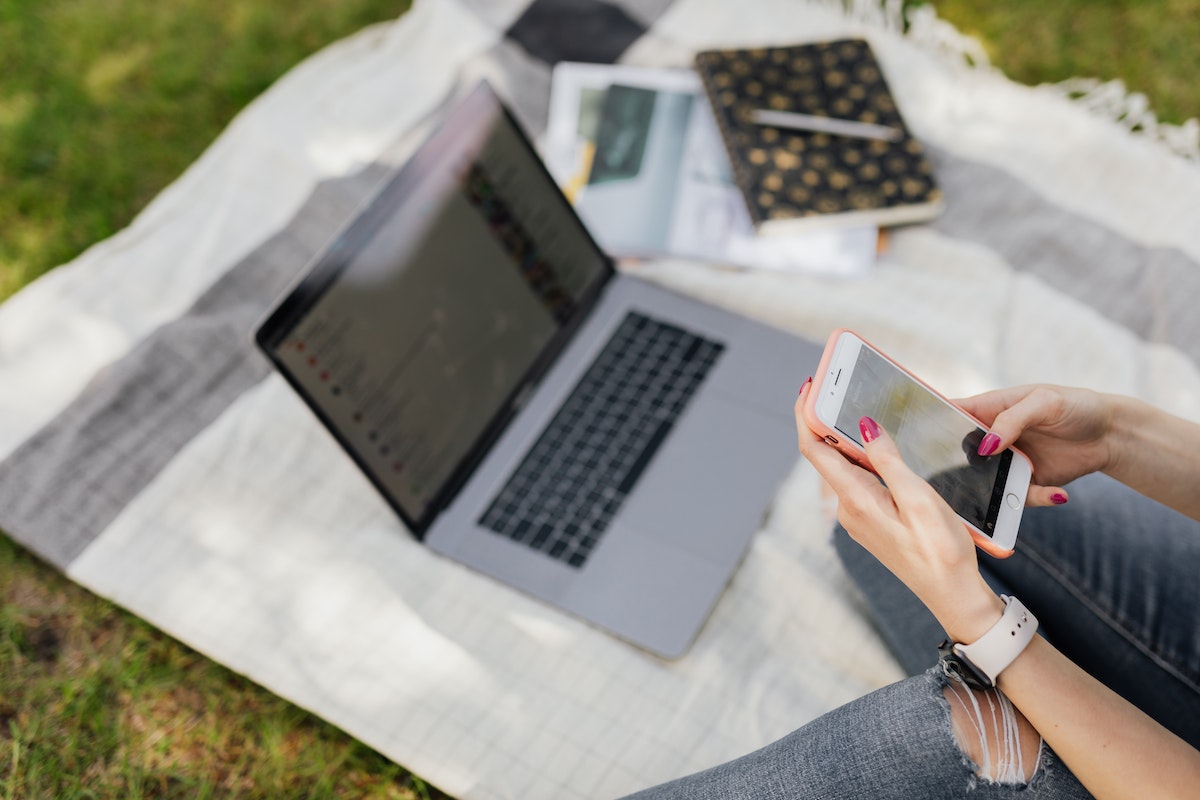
[1058,498]
[869,429]
[804,385]
[989,445]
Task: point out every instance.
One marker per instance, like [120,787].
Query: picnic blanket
[150,453]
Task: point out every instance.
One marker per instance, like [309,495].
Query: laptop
[578,433]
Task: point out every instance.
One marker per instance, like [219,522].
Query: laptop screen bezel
[480,106]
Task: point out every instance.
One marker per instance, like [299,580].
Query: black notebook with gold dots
[795,177]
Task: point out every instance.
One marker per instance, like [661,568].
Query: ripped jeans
[893,743]
[1111,577]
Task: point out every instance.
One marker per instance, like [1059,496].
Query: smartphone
[938,440]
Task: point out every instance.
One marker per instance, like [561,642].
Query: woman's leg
[1113,578]
[897,742]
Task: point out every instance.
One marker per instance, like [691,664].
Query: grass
[104,104]
[1150,45]
[97,703]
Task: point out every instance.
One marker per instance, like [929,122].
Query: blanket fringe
[1132,111]
[1110,100]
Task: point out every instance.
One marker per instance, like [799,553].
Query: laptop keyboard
[574,479]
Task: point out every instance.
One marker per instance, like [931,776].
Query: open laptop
[589,438]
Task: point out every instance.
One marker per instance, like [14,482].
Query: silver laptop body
[469,345]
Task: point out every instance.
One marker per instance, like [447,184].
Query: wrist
[980,663]
[971,614]
[1123,422]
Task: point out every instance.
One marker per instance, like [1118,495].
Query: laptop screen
[416,332]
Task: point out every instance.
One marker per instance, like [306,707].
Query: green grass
[97,703]
[102,105]
[1152,45]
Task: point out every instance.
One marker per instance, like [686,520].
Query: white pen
[839,127]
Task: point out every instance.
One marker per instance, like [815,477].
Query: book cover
[794,177]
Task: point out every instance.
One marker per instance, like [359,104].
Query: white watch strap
[1006,640]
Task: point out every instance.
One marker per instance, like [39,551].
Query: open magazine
[638,153]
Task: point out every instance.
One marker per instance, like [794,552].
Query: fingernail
[869,429]
[989,445]
[804,385]
[1058,498]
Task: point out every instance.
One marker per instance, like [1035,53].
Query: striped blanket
[149,452]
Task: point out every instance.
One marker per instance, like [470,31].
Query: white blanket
[148,451]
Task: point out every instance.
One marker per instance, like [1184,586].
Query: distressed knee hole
[996,736]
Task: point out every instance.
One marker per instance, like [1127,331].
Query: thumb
[887,462]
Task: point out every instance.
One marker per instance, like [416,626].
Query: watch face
[960,668]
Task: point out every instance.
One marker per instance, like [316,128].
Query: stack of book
[787,158]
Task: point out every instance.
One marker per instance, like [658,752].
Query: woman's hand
[905,524]
[1065,432]
[1114,749]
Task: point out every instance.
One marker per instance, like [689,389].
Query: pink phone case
[833,437]
[852,451]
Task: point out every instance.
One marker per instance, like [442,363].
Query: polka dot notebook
[800,175]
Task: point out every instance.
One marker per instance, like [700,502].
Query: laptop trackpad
[708,490]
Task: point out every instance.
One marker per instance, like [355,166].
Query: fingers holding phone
[1064,432]
[845,478]
[877,495]
[897,515]
[937,440]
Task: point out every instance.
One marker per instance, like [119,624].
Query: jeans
[1111,577]
[893,743]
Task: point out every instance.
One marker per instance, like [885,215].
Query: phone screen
[937,442]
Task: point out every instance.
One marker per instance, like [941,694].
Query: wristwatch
[979,664]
